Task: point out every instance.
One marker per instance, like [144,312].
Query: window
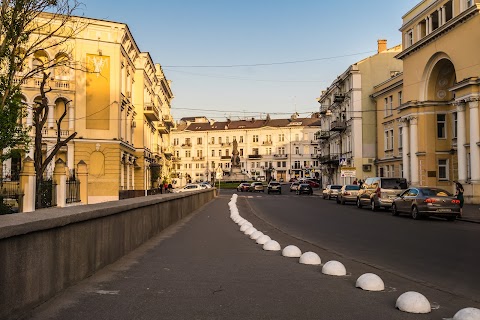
[388,142]
[199,153]
[255,151]
[213,140]
[284,164]
[268,138]
[400,137]
[297,165]
[175,141]
[177,153]
[469,3]
[241,139]
[188,154]
[388,106]
[269,151]
[234,138]
[199,140]
[219,153]
[227,139]
[213,153]
[281,137]
[455,123]
[409,38]
[441,126]
[219,140]
[255,138]
[443,170]
[281,150]
[400,97]
[187,141]
[279,164]
[241,152]
[227,152]
[297,150]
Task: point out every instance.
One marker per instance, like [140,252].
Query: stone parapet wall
[46,251]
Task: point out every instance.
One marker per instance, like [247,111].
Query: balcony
[226,157]
[323,109]
[187,145]
[329,159]
[338,125]
[254,156]
[323,135]
[338,97]
[168,119]
[162,128]
[168,151]
[226,144]
[314,155]
[267,143]
[313,142]
[53,133]
[176,159]
[280,156]
[198,158]
[151,112]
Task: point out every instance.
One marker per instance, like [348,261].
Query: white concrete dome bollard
[310,258]
[263,239]
[245,226]
[241,221]
[272,245]
[256,235]
[291,252]
[244,222]
[250,230]
[467,314]
[413,302]
[370,282]
[334,268]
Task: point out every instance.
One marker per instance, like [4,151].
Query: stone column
[27,186]
[71,117]
[70,155]
[405,149]
[474,139]
[461,141]
[413,151]
[60,178]
[82,176]
[29,115]
[430,24]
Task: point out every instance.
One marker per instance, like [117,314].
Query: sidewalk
[471,212]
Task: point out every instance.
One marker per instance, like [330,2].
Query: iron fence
[73,191]
[46,194]
[10,196]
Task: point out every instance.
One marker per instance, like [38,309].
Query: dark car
[425,202]
[274,186]
[304,188]
[244,186]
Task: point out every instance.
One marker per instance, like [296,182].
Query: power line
[271,63]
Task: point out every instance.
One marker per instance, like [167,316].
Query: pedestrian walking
[459,194]
[355,181]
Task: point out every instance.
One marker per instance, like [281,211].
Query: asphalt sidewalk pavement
[471,212]
[205,268]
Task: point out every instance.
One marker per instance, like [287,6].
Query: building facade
[118,103]
[439,112]
[348,134]
[269,148]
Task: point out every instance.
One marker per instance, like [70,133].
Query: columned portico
[474,139]
[461,141]
[413,151]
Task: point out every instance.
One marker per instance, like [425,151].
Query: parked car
[243,187]
[256,187]
[274,186]
[294,186]
[424,202]
[206,184]
[189,187]
[348,193]
[304,188]
[312,183]
[292,180]
[379,192]
[331,191]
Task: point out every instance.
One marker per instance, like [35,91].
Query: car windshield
[274,183]
[336,187]
[352,187]
[434,192]
[394,183]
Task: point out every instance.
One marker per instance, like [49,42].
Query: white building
[269,148]
[348,123]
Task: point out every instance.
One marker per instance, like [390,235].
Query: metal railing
[72,191]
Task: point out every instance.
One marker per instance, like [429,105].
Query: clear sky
[190,37]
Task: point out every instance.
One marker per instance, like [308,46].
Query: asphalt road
[432,251]
[205,268]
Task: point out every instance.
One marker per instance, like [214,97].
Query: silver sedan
[425,202]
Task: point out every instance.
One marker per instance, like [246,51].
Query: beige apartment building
[268,148]
[120,110]
[348,135]
[439,110]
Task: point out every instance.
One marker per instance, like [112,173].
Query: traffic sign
[348,172]
[219,173]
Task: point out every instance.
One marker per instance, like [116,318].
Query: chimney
[382,45]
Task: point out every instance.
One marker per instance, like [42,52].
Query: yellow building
[439,110]
[120,110]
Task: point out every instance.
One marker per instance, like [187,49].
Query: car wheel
[328,197]
[342,201]
[394,210]
[452,218]
[268,192]
[372,205]
[359,203]
[338,201]
[415,214]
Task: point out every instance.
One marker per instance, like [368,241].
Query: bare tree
[28,27]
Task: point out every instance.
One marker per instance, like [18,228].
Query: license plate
[444,210]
